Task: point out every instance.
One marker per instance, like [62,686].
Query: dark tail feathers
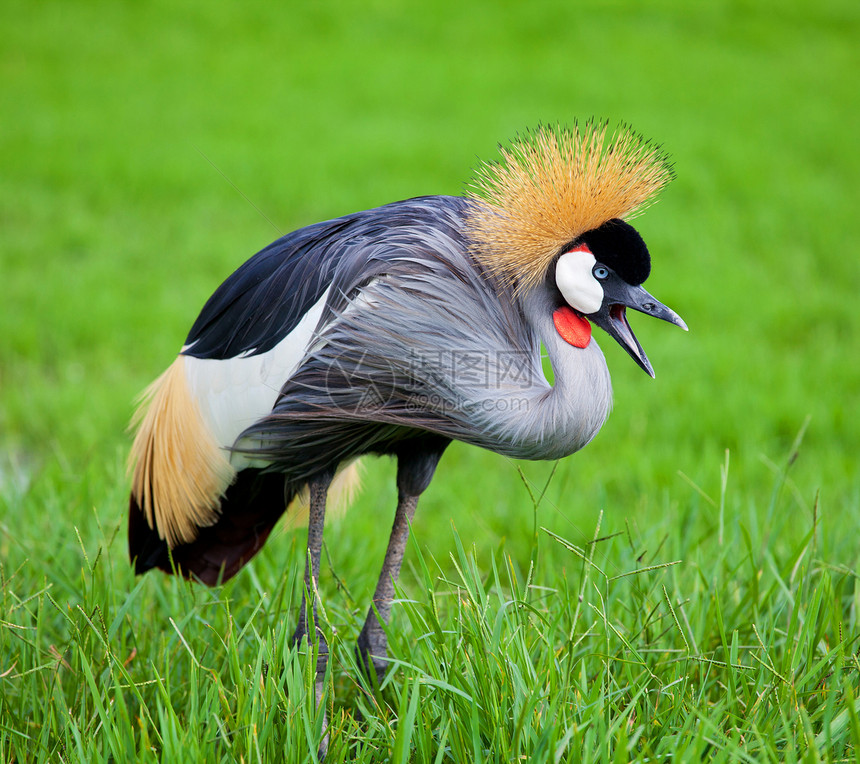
[249,511]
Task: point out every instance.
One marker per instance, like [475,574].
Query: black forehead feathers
[619,246]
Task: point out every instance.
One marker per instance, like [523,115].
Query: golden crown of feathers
[551,186]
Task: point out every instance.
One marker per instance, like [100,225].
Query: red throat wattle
[573,328]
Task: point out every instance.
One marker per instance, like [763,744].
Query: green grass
[684,588]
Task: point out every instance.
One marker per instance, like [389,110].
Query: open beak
[612,316]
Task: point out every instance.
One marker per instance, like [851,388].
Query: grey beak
[612,316]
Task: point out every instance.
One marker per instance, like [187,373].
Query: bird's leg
[414,471]
[372,642]
[318,488]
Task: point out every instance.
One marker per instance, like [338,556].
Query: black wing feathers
[264,300]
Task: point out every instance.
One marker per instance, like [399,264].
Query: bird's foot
[299,636]
[320,690]
[372,658]
[322,649]
[319,685]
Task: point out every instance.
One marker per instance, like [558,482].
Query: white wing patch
[234,393]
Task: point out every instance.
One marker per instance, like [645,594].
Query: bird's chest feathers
[571,327]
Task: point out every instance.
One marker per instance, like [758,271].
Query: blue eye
[600,272]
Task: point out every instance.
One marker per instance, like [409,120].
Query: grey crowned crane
[395,331]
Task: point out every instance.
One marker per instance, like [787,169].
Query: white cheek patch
[576,283]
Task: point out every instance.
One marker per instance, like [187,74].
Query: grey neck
[562,418]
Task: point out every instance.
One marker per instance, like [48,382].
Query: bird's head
[599,276]
[552,214]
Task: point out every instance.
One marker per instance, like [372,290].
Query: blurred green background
[147,149]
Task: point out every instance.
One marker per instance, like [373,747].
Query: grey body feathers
[418,339]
